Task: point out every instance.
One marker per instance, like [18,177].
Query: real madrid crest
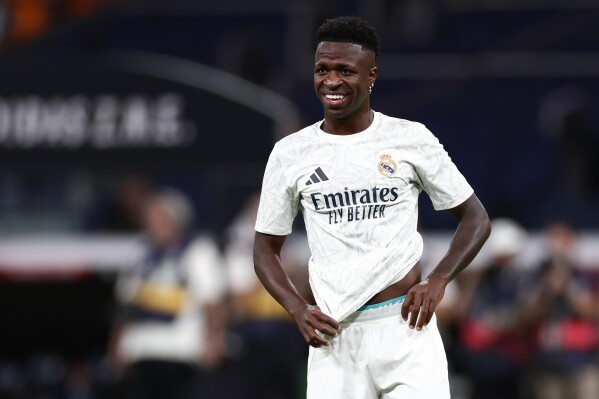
[387,165]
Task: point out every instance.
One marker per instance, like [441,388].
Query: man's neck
[344,127]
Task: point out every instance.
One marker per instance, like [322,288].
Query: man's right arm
[269,269]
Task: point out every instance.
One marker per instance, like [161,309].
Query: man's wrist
[439,277]
[298,309]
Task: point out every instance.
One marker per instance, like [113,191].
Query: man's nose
[332,80]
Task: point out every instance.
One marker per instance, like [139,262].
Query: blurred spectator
[174,318]
[121,213]
[568,116]
[28,20]
[568,338]
[447,313]
[496,346]
[271,362]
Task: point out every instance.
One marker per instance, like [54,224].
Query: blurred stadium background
[103,100]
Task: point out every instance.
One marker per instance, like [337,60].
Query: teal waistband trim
[381,304]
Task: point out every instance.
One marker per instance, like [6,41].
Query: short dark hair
[351,30]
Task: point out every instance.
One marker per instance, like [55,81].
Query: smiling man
[356,176]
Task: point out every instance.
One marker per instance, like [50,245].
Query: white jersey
[359,197]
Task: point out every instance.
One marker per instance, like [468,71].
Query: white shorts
[376,355]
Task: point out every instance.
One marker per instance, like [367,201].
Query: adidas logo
[317,177]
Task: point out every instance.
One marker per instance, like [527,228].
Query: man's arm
[473,230]
[215,339]
[269,269]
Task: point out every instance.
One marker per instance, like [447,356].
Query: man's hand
[312,320]
[557,280]
[214,351]
[421,301]
[473,230]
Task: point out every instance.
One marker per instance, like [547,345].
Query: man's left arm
[473,230]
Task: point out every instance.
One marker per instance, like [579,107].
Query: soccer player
[356,176]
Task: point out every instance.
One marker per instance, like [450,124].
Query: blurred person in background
[25,21]
[272,353]
[173,314]
[565,313]
[121,212]
[447,313]
[495,344]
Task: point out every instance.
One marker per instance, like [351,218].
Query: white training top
[359,197]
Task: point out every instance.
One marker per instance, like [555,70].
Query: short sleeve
[279,202]
[439,176]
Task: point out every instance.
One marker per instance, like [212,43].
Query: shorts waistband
[381,304]
[376,311]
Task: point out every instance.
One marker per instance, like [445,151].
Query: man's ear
[372,75]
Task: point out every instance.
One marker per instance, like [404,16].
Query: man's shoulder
[202,246]
[404,129]
[304,136]
[395,122]
[201,241]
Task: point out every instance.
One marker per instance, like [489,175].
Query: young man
[356,176]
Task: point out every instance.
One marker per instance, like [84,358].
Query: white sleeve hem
[271,231]
[455,202]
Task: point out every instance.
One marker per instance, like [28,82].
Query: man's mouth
[334,99]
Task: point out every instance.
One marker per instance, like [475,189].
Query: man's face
[160,224]
[342,74]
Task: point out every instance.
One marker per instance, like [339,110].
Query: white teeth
[334,96]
